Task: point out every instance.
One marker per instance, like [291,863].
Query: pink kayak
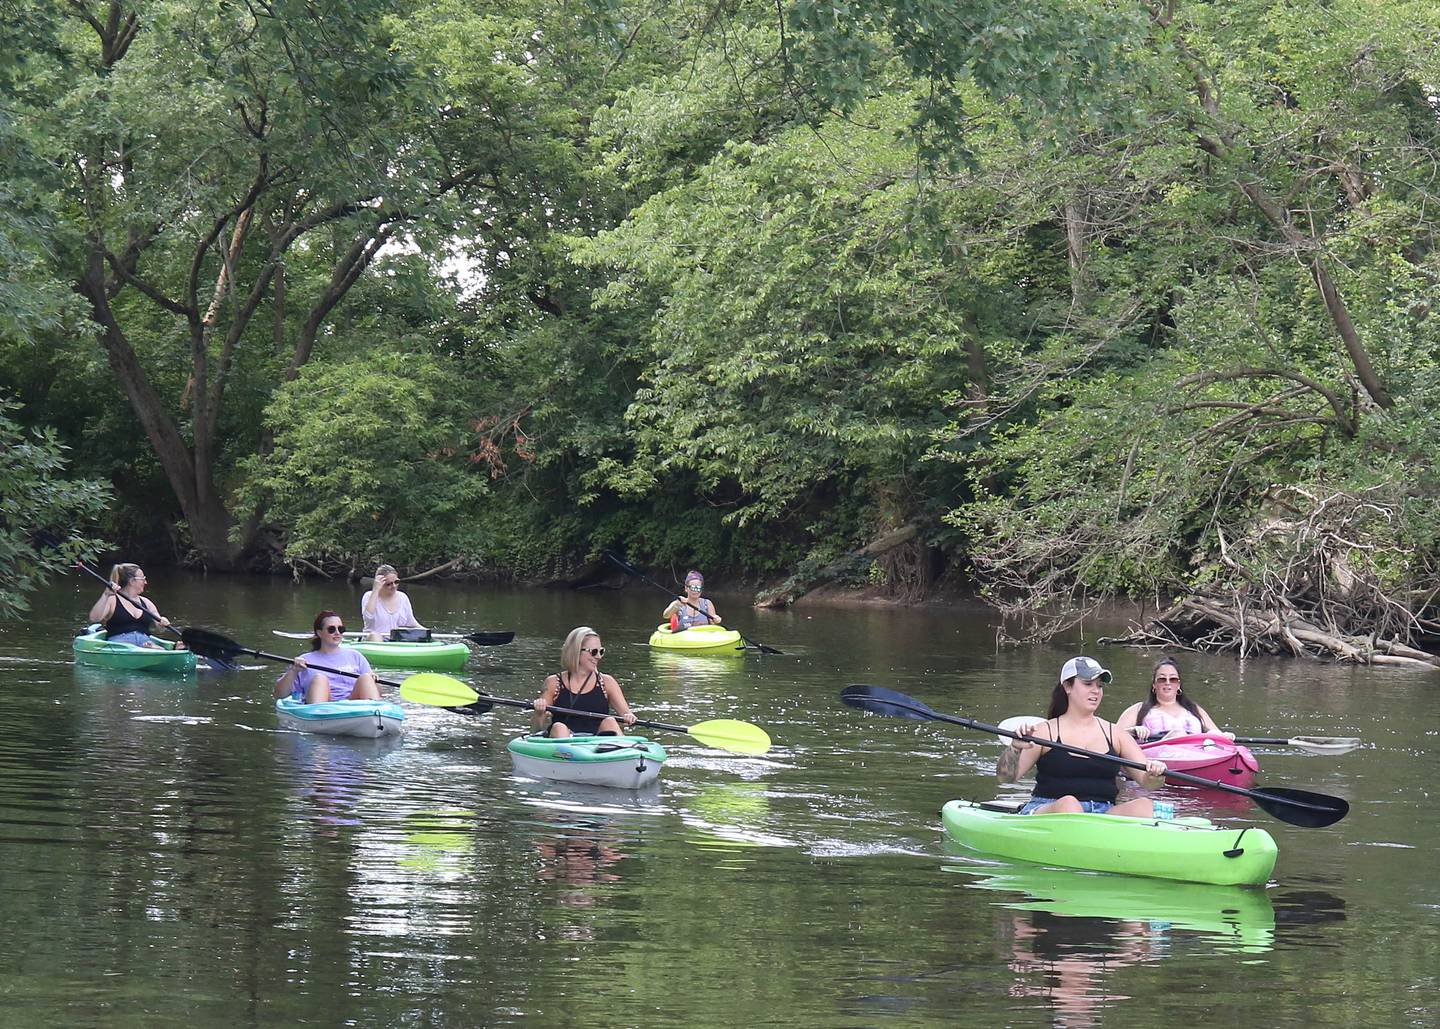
[1208,754]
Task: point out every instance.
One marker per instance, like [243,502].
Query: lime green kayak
[625,762]
[438,655]
[700,639]
[1239,918]
[92,648]
[1185,849]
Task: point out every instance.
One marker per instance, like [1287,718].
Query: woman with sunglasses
[691,609]
[125,615]
[1071,783]
[581,685]
[1167,711]
[353,681]
[385,608]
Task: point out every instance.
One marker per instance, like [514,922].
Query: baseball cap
[1084,668]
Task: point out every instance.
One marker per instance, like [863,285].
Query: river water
[169,856]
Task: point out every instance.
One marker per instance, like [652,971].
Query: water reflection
[1067,962]
[329,773]
[580,861]
[1229,919]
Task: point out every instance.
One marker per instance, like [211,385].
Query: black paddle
[483,638]
[629,569]
[219,662]
[1298,807]
[216,647]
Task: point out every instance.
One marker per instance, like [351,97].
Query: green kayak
[1185,849]
[92,648]
[699,639]
[450,657]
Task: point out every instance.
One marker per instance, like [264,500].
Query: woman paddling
[1069,783]
[384,608]
[1167,711]
[691,609]
[353,681]
[123,612]
[582,686]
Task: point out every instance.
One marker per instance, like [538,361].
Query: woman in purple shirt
[353,681]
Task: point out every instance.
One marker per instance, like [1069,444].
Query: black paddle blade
[478,708]
[491,639]
[212,645]
[1301,807]
[881,701]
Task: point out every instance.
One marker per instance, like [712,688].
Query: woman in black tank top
[124,613]
[1069,783]
[582,686]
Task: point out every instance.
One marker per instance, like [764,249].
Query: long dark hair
[319,621]
[1180,698]
[1059,700]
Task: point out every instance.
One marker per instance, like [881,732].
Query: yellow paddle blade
[437,689]
[732,735]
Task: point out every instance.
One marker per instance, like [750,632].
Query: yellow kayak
[700,639]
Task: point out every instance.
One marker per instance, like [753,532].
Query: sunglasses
[694,585]
[337,629]
[1167,678]
[593,651]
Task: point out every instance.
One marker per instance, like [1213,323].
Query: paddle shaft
[313,667]
[507,702]
[630,569]
[1194,780]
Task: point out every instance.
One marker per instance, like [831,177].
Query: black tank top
[1059,774]
[122,619]
[590,700]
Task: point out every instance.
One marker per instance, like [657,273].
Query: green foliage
[372,461]
[37,502]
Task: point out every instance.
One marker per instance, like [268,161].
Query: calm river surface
[168,856]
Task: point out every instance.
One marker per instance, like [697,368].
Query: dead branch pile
[1326,573]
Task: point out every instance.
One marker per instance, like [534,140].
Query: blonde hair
[121,574]
[385,570]
[570,649]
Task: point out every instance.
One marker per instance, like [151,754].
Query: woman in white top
[385,608]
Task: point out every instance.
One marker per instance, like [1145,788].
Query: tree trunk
[192,481]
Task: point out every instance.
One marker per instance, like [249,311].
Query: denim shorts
[1090,807]
[137,638]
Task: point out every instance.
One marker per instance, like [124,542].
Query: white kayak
[366,718]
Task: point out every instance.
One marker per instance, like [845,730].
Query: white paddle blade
[1325,745]
[1016,723]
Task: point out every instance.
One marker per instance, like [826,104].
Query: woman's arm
[546,698]
[714,615]
[407,613]
[1019,757]
[1207,724]
[616,697]
[285,685]
[1153,776]
[149,605]
[1126,723]
[103,607]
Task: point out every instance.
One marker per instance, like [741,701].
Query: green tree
[43,514]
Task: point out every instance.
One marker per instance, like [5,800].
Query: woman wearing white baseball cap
[1070,783]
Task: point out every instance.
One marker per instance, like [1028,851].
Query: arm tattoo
[1007,769]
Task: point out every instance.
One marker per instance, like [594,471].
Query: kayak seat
[1009,807]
